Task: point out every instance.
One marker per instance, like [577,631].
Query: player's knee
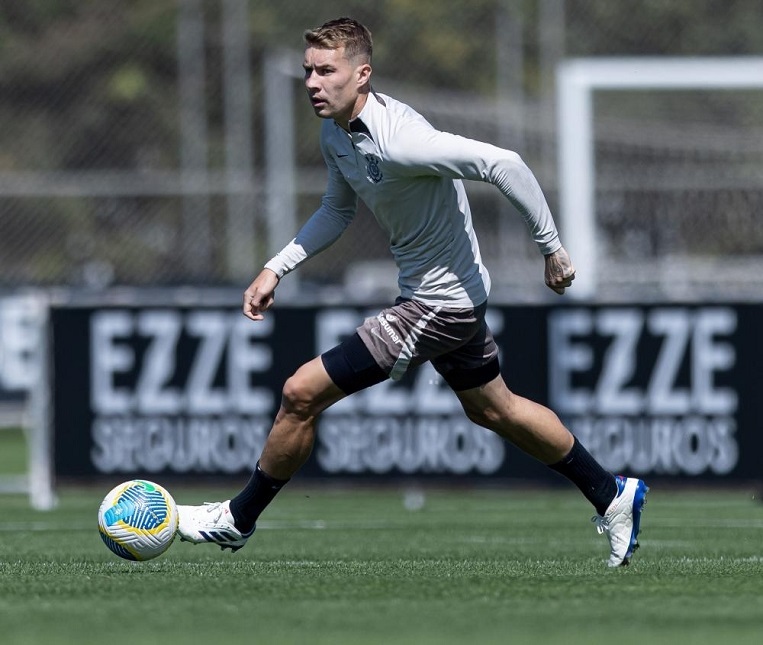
[492,414]
[487,417]
[297,397]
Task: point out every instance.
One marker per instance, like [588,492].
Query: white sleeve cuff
[287,259]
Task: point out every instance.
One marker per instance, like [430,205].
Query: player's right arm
[260,295]
[338,207]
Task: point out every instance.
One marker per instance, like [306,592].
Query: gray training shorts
[456,341]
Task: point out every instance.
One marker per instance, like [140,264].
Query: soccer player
[410,175]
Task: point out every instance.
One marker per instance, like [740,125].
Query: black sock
[597,484]
[252,500]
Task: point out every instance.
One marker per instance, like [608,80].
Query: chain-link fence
[136,142]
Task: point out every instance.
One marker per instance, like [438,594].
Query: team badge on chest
[373,172]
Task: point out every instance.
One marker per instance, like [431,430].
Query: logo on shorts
[373,172]
[390,317]
[390,332]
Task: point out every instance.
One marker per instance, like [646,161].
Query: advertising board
[669,391]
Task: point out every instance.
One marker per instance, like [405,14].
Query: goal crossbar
[577,79]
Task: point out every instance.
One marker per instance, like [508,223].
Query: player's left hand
[559,272]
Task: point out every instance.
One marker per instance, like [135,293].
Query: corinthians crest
[373,172]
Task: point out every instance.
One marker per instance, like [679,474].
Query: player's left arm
[559,272]
[424,150]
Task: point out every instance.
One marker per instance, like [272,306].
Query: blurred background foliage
[91,86]
[86,83]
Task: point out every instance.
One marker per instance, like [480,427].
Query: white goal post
[29,328]
[577,79]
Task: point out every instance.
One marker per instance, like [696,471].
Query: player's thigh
[410,333]
[351,366]
[474,362]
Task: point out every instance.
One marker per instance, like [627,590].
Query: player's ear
[363,73]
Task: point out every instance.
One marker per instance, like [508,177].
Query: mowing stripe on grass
[278,525]
[373,525]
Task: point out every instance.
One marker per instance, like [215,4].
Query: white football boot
[211,523]
[622,519]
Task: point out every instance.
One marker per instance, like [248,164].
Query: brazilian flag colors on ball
[138,520]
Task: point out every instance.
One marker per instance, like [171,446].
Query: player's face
[334,83]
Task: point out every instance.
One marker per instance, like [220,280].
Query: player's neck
[357,108]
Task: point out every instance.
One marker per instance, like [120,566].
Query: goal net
[661,176]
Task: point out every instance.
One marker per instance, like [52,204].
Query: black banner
[667,391]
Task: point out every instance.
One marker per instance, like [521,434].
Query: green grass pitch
[357,567]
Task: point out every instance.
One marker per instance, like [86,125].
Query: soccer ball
[138,520]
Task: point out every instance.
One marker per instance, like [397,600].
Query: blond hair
[342,32]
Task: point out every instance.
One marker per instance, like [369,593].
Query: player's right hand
[259,297]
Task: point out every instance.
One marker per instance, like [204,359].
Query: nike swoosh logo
[340,155]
